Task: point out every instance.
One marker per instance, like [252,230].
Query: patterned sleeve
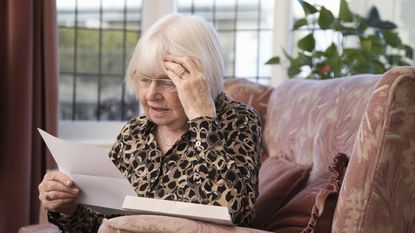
[227,164]
[83,220]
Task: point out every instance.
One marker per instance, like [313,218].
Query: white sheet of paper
[102,185]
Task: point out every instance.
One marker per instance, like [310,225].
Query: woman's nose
[153,91]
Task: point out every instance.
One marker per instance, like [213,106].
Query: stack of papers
[105,189]
[210,213]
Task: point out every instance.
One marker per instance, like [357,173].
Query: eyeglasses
[162,82]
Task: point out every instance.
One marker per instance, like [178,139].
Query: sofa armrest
[377,194]
[39,228]
[158,223]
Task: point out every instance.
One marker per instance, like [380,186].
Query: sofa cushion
[279,181]
[312,209]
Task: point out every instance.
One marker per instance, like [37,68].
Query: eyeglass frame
[163,82]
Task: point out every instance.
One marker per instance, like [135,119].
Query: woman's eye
[167,83]
[145,81]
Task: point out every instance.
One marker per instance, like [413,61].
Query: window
[96,38]
[245,30]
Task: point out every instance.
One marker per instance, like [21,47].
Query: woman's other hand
[57,193]
[192,88]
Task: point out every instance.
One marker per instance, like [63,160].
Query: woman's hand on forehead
[192,87]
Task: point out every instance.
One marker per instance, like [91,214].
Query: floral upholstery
[371,119]
[379,195]
[164,224]
[316,118]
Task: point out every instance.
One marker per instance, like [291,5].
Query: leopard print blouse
[216,162]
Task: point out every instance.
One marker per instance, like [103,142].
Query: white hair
[178,35]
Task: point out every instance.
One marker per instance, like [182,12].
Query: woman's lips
[158,111]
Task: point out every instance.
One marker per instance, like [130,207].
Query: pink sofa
[306,185]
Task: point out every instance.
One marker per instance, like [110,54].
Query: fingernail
[68,183]
[75,190]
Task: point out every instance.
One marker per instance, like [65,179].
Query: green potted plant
[376,45]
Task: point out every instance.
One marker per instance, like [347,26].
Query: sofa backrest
[310,121]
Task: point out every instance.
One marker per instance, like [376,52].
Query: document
[210,213]
[106,190]
[102,185]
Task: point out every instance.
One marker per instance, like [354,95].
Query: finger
[60,177]
[174,77]
[170,70]
[57,186]
[174,67]
[58,204]
[187,62]
[54,195]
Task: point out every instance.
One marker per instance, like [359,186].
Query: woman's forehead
[150,68]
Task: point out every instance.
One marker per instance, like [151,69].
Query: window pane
[86,97]
[131,107]
[131,41]
[267,14]
[134,15]
[227,41]
[252,23]
[111,5]
[66,49]
[96,38]
[89,18]
[87,50]
[65,96]
[265,53]
[246,54]
[184,5]
[112,52]
[247,14]
[111,93]
[225,15]
[90,5]
[133,20]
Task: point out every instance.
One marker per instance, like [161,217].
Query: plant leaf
[373,20]
[331,51]
[386,25]
[299,23]
[366,45]
[345,14]
[373,17]
[376,45]
[307,7]
[409,52]
[325,19]
[392,38]
[307,43]
[273,60]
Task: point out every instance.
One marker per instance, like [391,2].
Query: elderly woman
[192,144]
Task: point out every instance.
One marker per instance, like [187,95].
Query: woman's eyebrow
[163,77]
